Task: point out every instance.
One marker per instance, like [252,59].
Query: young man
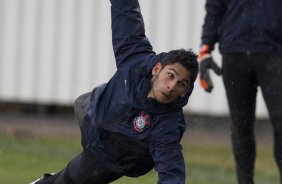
[249,33]
[135,122]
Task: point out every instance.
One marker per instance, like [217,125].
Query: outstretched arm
[128,33]
[167,152]
[170,164]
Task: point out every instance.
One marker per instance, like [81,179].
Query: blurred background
[52,51]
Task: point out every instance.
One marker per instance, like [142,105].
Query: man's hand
[206,63]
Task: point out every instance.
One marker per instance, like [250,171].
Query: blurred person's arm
[214,13]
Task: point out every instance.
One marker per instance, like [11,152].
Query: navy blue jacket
[242,26]
[131,133]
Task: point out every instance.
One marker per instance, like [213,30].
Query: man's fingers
[205,85]
[205,82]
[216,68]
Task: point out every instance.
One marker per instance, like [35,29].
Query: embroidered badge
[141,121]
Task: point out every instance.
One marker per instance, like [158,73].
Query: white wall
[51,51]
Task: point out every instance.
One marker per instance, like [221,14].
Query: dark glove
[206,63]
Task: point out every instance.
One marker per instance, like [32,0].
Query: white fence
[51,51]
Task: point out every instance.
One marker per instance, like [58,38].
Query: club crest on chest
[141,121]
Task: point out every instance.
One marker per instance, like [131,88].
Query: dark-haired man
[135,122]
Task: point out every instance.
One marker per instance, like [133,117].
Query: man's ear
[156,69]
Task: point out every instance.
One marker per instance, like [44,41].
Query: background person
[249,33]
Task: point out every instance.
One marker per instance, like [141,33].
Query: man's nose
[171,85]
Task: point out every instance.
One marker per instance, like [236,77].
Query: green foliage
[23,159]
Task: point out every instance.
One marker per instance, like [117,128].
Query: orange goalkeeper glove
[206,62]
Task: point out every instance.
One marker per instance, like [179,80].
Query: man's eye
[170,75]
[181,84]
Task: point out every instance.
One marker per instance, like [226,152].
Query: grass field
[23,159]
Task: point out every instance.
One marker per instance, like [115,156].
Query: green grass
[23,159]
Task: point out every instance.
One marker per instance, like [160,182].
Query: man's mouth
[165,94]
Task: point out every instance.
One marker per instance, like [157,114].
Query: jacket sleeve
[166,151]
[128,33]
[214,13]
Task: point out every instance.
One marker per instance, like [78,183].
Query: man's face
[169,82]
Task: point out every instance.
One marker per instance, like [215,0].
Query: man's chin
[163,100]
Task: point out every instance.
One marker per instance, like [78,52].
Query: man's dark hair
[186,58]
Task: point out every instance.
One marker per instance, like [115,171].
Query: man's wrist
[204,56]
[205,52]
